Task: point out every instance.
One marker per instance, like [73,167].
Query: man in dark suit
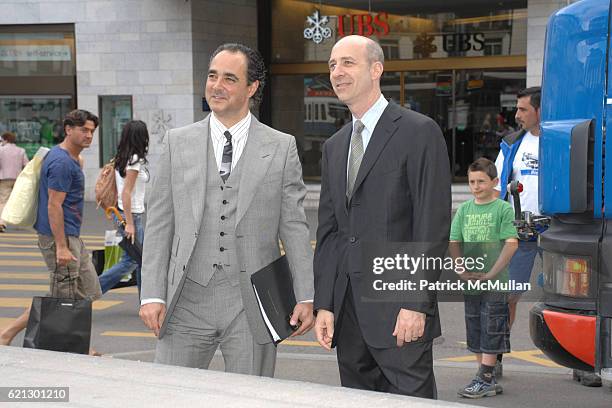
[385,178]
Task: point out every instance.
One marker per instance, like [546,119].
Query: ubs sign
[361,24]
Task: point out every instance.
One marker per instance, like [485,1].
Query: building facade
[460,63]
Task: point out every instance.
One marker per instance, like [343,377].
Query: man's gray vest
[216,244]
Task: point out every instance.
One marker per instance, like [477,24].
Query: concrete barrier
[108,382]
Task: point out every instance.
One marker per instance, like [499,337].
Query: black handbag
[59,324]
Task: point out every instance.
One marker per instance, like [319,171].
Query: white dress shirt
[239,132]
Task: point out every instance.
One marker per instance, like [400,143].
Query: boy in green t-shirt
[487,221]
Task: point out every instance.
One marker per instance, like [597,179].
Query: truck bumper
[566,337]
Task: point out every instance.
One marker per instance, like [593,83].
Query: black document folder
[273,288]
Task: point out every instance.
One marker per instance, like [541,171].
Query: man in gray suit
[228,187]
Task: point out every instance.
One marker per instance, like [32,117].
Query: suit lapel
[385,128]
[195,155]
[257,157]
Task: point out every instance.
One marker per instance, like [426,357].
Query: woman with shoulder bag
[131,176]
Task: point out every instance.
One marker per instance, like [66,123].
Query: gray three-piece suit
[204,238]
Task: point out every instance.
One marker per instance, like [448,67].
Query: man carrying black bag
[73,279]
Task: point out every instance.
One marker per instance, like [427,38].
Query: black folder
[273,286]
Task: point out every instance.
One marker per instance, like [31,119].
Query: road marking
[300,343]
[460,359]
[35,236]
[150,334]
[89,247]
[11,262]
[3,245]
[25,276]
[25,302]
[127,334]
[130,290]
[530,356]
[22,253]
[26,288]
[526,355]
[5,321]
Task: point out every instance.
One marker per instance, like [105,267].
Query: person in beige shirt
[12,160]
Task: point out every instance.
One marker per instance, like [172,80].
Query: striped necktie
[226,160]
[355,157]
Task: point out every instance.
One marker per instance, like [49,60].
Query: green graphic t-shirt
[483,229]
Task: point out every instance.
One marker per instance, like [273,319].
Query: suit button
[222,233]
[221,249]
[223,217]
[221,188]
[353,240]
[224,201]
[214,265]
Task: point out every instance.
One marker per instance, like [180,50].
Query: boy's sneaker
[479,388]
[499,369]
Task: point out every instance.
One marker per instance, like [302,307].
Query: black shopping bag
[59,325]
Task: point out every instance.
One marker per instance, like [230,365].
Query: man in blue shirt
[59,218]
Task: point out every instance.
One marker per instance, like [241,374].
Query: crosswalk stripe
[3,245]
[23,239]
[26,288]
[24,276]
[5,321]
[127,334]
[35,236]
[150,334]
[300,343]
[45,288]
[25,302]
[128,290]
[11,262]
[89,245]
[526,355]
[22,253]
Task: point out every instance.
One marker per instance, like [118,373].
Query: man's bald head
[373,50]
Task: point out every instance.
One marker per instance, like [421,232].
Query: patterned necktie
[355,157]
[226,160]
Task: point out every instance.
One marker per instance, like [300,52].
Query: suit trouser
[406,370]
[206,317]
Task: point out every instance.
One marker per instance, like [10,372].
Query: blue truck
[572,324]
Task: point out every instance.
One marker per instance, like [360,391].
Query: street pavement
[530,379]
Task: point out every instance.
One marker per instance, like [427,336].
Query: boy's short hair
[485,165]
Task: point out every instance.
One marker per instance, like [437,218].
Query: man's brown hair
[9,137]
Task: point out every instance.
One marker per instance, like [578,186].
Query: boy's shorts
[521,264]
[486,323]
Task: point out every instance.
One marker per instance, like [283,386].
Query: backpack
[106,188]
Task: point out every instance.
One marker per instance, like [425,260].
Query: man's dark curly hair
[256,70]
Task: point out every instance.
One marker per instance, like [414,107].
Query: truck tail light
[567,275]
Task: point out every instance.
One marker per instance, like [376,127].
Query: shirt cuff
[152,300]
[307,301]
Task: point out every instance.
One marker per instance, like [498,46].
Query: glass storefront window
[115,112]
[37,82]
[305,31]
[37,121]
[474,108]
